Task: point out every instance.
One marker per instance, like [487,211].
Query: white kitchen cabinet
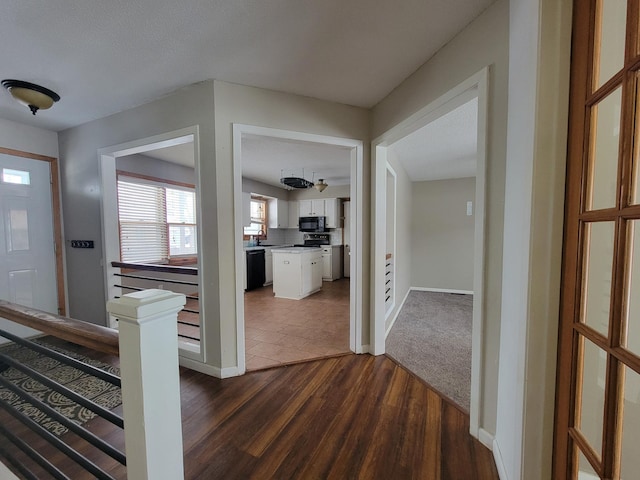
[331,262]
[312,208]
[268,266]
[297,272]
[294,214]
[326,265]
[278,216]
[316,273]
[246,209]
[332,212]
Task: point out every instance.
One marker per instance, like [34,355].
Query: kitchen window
[258,219]
[157,220]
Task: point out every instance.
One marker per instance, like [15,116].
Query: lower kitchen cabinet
[331,262]
[297,272]
[268,266]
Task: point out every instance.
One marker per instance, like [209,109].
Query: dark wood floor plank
[356,417]
[360,428]
[269,432]
[432,446]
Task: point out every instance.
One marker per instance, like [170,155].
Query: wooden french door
[598,405]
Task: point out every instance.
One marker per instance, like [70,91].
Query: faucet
[260,233]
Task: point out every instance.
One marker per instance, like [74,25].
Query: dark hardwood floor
[348,417]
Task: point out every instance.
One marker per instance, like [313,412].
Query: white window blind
[143,230]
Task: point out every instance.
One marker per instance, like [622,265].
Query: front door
[28,273]
[598,404]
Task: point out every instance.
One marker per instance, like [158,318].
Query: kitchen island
[297,272]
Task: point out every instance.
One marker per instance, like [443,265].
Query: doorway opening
[386,243]
[277,316]
[150,213]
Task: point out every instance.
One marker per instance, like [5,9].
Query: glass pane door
[598,406]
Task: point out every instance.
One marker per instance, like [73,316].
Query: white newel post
[150,383]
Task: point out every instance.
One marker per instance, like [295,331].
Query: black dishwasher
[255,269]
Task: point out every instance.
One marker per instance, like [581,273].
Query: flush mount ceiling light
[33,96]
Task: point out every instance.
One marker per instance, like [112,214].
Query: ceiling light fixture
[33,96]
[295,182]
[320,185]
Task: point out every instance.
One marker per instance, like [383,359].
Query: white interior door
[27,255]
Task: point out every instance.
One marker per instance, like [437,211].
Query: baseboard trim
[395,317]
[486,438]
[209,369]
[363,349]
[442,290]
[497,456]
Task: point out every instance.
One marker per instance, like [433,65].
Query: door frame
[110,231]
[56,210]
[475,86]
[356,193]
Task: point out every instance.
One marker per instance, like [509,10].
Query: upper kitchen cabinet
[332,212]
[312,208]
[278,213]
[323,207]
[294,214]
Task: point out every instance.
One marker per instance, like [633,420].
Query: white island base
[297,272]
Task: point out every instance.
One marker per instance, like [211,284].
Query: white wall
[540,36]
[81,197]
[404,211]
[332,191]
[253,186]
[25,138]
[483,42]
[145,165]
[265,108]
[442,234]
[28,139]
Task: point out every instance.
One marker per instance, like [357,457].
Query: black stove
[315,240]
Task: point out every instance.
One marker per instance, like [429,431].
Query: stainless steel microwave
[312,224]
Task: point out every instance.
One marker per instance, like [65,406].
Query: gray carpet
[432,338]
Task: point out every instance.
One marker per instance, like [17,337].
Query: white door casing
[356,222]
[476,85]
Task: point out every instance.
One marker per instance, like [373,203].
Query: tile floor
[280,331]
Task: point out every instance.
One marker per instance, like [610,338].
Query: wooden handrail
[82,333]
[156,268]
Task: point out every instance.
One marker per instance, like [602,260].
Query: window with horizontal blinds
[181,220]
[142,217]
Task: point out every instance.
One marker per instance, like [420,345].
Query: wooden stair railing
[89,335]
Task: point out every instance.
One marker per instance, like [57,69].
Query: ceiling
[445,148]
[103,57]
[267,159]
